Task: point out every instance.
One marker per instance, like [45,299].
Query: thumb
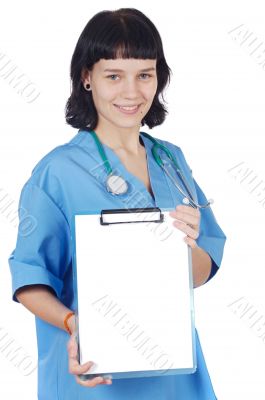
[72,346]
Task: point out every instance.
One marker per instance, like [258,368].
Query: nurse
[118,73]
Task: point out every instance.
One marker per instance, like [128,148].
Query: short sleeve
[211,237]
[42,251]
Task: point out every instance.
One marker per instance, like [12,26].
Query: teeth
[129,108]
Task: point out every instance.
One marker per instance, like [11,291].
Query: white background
[216,115]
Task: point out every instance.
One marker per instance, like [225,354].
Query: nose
[130,89]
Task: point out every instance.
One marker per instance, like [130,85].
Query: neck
[120,139]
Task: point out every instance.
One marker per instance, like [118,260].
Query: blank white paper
[135,302]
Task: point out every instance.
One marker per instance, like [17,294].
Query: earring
[87,87]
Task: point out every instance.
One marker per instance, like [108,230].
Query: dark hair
[123,33]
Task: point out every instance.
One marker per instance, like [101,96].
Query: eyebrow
[120,70]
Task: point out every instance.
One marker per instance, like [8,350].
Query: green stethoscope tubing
[157,158]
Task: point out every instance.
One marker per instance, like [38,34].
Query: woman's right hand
[75,368]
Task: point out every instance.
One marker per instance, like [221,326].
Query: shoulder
[170,145]
[51,173]
[176,151]
[54,163]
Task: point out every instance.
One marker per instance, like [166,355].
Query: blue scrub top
[68,180]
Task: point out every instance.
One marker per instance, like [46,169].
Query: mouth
[128,109]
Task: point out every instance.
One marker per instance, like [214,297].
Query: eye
[147,75]
[110,76]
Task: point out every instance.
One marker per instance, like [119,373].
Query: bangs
[124,33]
[133,39]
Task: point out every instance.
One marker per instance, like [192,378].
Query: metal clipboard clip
[119,216]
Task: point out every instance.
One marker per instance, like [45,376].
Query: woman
[118,73]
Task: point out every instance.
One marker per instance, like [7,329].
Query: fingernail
[88,364]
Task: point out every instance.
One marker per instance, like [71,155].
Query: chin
[128,125]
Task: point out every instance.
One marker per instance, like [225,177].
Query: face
[123,90]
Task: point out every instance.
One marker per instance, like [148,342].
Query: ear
[85,76]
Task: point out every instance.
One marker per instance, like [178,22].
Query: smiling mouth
[128,108]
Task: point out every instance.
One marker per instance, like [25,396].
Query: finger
[93,382]
[191,242]
[188,209]
[72,347]
[73,363]
[190,231]
[75,368]
[106,381]
[90,382]
[188,218]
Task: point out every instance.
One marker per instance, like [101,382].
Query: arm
[38,265]
[41,301]
[188,221]
[210,239]
[201,266]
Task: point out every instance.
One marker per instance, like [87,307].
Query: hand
[74,367]
[187,221]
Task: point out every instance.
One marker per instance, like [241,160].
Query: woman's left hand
[187,221]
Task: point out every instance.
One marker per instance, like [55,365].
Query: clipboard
[134,294]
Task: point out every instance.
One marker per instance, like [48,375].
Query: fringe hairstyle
[123,33]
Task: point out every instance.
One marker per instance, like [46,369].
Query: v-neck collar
[158,179]
[159,183]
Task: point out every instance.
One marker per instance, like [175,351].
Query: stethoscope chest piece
[116,184]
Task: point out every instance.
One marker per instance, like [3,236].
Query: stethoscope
[116,185]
